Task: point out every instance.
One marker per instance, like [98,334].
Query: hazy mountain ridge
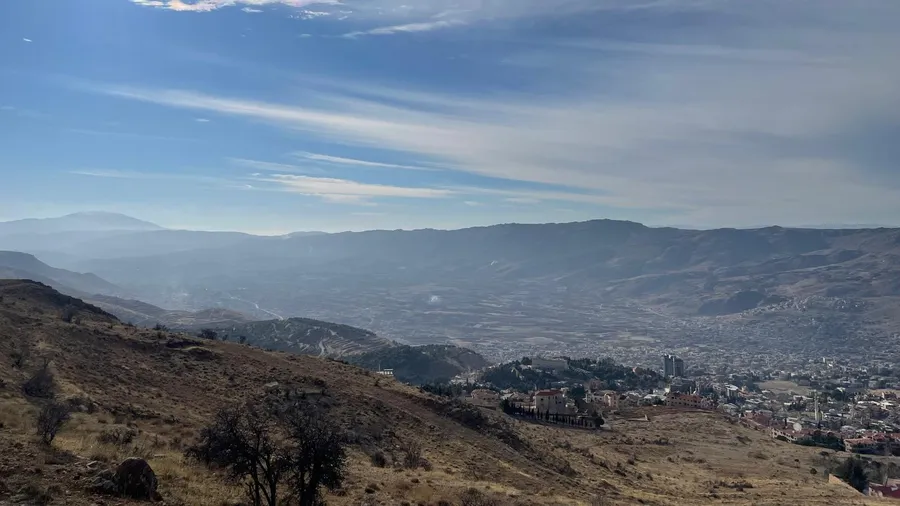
[505,283]
[97,291]
[93,221]
[24,265]
[619,255]
[147,315]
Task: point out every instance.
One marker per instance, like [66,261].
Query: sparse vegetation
[475,497]
[378,459]
[119,436]
[19,356]
[68,314]
[41,384]
[51,418]
[853,471]
[210,334]
[412,454]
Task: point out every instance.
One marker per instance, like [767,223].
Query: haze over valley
[594,288]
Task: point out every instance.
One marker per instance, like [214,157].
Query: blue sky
[271,116]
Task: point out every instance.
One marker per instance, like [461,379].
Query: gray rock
[135,479]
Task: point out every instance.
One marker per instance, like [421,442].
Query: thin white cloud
[307,14]
[355,162]
[211,5]
[273,166]
[201,120]
[138,175]
[406,28]
[522,200]
[251,10]
[26,40]
[347,191]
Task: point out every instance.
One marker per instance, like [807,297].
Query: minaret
[818,415]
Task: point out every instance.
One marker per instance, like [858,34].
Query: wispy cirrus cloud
[348,191]
[138,175]
[211,5]
[406,28]
[274,166]
[339,160]
[729,114]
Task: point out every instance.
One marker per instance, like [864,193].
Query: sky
[271,116]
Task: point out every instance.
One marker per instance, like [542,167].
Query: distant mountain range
[489,285]
[79,222]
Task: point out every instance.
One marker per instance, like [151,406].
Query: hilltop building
[550,401]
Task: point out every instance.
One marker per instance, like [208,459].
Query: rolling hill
[422,364]
[412,364]
[164,387]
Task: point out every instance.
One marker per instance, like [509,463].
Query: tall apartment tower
[673,366]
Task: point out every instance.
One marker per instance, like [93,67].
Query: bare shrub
[119,436]
[475,497]
[19,357]
[379,459]
[68,314]
[41,384]
[210,334]
[51,419]
[412,454]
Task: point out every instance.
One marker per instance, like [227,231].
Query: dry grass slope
[145,393]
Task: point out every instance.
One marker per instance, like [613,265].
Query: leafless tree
[283,454]
[51,419]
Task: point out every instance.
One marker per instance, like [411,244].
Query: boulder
[135,479]
[104,483]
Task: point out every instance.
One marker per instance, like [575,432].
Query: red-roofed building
[892,491]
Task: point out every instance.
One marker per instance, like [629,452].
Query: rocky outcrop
[133,478]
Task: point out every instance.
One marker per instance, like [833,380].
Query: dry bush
[50,420]
[41,384]
[119,436]
[37,494]
[379,459]
[412,454]
[68,314]
[475,497]
[19,356]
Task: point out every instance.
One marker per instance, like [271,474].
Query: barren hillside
[166,386]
